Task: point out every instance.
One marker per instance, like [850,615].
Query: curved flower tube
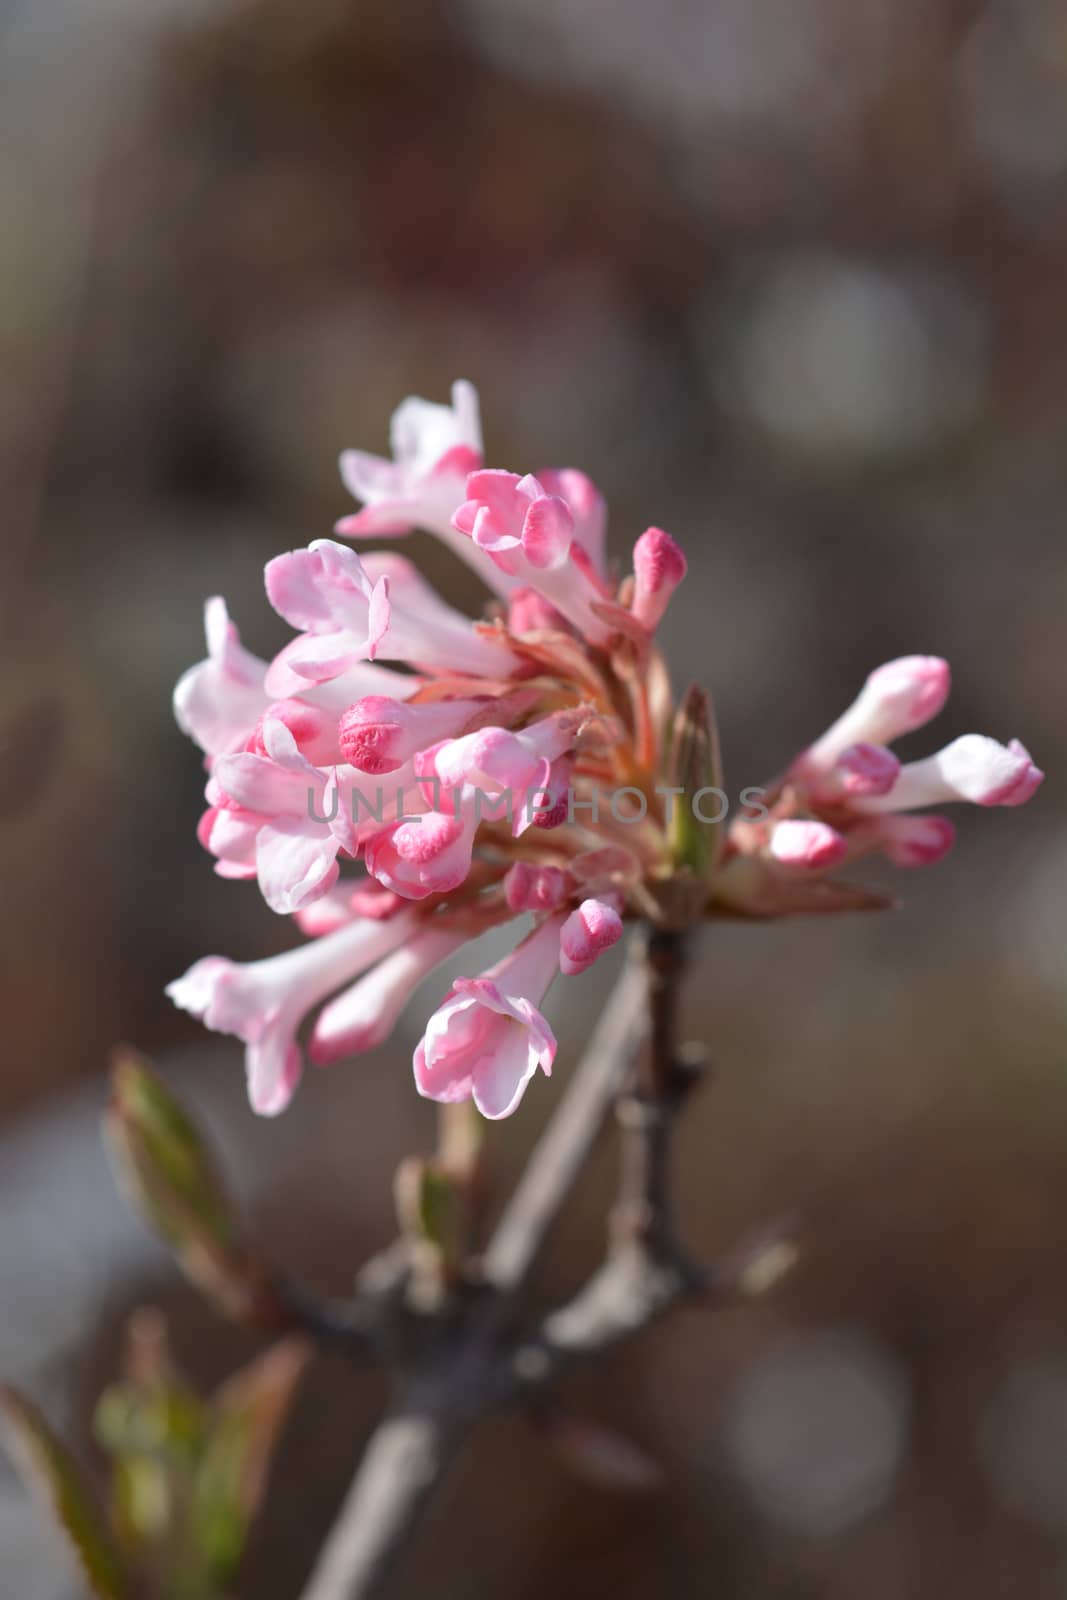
[487,1038]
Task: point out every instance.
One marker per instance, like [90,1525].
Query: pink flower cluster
[848,796]
[400,778]
[445,780]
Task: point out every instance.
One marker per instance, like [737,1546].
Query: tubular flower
[217,701]
[351,612]
[518,770]
[529,535]
[294,817]
[531,763]
[264,1002]
[585,502]
[365,1014]
[434,449]
[487,1038]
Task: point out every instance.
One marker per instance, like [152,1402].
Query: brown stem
[648,1114]
[466,1368]
[402,1465]
[665,955]
[559,1157]
[414,1445]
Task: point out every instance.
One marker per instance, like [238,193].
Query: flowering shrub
[464,783]
[531,769]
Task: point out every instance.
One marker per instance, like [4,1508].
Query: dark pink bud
[659,567]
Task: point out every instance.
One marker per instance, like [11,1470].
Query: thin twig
[412,1448]
[356,1325]
[465,1368]
[401,1467]
[562,1151]
[362,1324]
[646,1271]
[632,1290]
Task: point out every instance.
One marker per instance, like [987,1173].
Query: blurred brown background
[786,277]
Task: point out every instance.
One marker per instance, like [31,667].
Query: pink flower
[513,518]
[425,855]
[659,567]
[536,888]
[488,1037]
[300,822]
[587,508]
[590,930]
[264,1002]
[971,768]
[220,700]
[907,841]
[363,1016]
[807,846]
[379,734]
[530,536]
[861,769]
[229,832]
[347,613]
[550,805]
[496,762]
[363,678]
[864,769]
[897,698]
[434,448]
[314,731]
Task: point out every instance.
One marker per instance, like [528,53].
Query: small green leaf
[167,1138]
[169,1176]
[52,1473]
[249,1413]
[153,1426]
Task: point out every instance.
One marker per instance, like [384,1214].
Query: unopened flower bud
[534,888]
[807,846]
[379,734]
[693,771]
[908,841]
[659,567]
[972,768]
[590,930]
[314,731]
[898,697]
[860,770]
